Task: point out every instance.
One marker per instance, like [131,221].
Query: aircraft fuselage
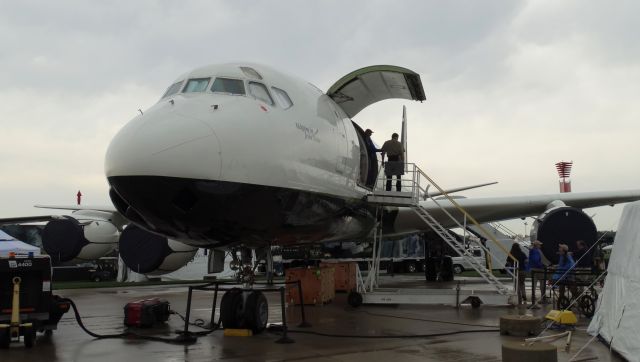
[213,168]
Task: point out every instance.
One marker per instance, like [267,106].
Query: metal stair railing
[461,250]
[418,192]
[503,229]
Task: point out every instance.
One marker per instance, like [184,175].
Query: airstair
[416,185]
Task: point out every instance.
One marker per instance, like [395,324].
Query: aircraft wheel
[475,302]
[411,267]
[231,307]
[29,335]
[354,299]
[256,312]
[5,338]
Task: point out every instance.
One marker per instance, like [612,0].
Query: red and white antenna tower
[564,171]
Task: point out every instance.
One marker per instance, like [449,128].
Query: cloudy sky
[512,86]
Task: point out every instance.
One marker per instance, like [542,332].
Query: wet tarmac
[102,312]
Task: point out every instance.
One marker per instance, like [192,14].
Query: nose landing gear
[244,307]
[244,310]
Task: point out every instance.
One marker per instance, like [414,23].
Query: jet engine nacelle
[67,239]
[561,224]
[147,253]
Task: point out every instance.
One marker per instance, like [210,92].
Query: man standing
[395,165]
[537,263]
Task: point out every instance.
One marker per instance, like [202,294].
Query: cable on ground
[189,338]
[278,328]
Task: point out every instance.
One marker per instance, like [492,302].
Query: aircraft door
[367,158]
[341,141]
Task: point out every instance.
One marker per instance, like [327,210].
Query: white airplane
[244,156]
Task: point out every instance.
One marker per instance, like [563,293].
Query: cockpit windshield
[227,85]
[173,89]
[196,85]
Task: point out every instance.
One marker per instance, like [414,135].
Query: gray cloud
[512,87]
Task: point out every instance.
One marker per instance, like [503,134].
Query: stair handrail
[416,189]
[461,209]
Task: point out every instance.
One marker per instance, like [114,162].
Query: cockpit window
[282,98]
[259,91]
[251,73]
[196,85]
[226,85]
[173,89]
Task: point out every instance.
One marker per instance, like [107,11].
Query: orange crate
[317,285]
[344,275]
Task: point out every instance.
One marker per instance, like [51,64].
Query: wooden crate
[317,285]
[344,275]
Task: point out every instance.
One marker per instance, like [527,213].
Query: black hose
[426,320]
[388,336]
[180,339]
[190,338]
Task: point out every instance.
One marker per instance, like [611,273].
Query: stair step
[486,274]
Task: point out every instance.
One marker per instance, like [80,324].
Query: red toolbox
[146,312]
[344,275]
[317,285]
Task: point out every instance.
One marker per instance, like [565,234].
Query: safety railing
[420,186]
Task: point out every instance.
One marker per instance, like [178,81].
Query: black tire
[354,299]
[587,305]
[29,335]
[423,266]
[97,279]
[410,267]
[231,309]
[390,268]
[5,338]
[48,332]
[256,312]
[457,269]
[475,302]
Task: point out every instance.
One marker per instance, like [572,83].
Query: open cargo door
[363,87]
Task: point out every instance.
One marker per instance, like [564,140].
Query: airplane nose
[164,145]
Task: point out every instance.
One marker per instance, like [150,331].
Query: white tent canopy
[10,244]
[617,318]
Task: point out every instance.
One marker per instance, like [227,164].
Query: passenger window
[282,98]
[259,91]
[226,85]
[173,89]
[196,85]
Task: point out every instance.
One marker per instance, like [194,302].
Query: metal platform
[434,296]
[418,184]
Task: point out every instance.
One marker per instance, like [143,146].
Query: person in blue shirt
[563,275]
[537,264]
[565,263]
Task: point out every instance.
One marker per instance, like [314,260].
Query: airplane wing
[41,218]
[26,219]
[78,207]
[503,208]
